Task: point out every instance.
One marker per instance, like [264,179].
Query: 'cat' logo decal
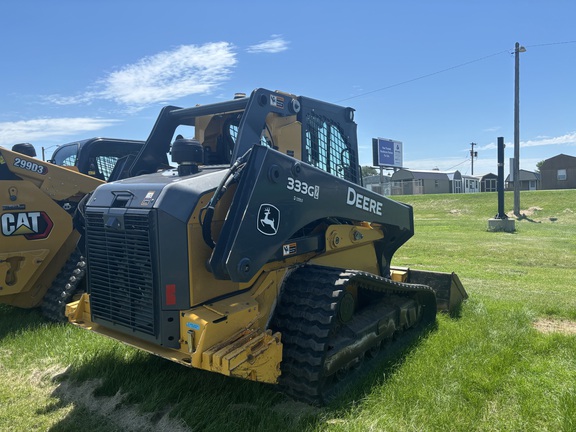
[32,225]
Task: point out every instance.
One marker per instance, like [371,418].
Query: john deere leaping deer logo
[268,219]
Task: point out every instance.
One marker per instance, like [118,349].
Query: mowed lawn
[507,362]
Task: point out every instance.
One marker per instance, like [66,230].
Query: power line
[461,163]
[448,69]
[552,43]
[424,76]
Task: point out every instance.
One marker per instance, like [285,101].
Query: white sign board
[387,152]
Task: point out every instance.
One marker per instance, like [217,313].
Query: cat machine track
[68,283]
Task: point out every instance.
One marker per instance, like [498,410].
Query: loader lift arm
[268,180]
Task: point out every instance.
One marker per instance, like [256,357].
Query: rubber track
[64,287]
[307,319]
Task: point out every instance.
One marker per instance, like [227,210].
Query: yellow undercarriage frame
[230,336]
[222,337]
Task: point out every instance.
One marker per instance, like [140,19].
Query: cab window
[65,155]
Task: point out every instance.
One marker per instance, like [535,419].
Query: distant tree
[369,171]
[539,165]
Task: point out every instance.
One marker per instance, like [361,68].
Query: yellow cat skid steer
[261,256]
[38,236]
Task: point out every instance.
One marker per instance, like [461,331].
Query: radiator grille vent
[120,272]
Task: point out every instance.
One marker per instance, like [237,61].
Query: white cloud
[275,45]
[169,75]
[46,128]
[569,139]
[85,98]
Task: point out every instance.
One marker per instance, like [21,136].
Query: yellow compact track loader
[261,256]
[38,236]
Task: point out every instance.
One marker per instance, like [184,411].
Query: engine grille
[120,272]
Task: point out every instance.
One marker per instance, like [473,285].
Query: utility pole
[518,49]
[473,154]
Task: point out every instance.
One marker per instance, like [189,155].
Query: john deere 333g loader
[38,236]
[261,256]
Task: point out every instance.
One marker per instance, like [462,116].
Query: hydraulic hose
[207,212]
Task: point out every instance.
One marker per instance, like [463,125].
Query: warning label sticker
[289,249]
[277,101]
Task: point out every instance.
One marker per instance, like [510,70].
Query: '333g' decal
[303,188]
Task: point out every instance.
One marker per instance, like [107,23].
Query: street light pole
[518,49]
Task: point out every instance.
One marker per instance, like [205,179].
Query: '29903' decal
[31,225]
[30,166]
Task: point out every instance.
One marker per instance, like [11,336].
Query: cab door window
[65,155]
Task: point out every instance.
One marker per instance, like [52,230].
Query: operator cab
[96,157]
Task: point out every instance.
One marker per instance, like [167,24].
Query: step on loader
[260,256]
[40,263]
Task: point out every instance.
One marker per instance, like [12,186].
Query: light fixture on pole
[516,175]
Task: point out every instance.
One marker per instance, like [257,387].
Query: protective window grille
[233,132]
[106,164]
[65,155]
[69,161]
[327,149]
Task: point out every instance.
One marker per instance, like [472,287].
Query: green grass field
[491,368]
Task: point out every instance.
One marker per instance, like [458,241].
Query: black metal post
[500,186]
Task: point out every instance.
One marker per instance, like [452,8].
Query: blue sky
[436,75]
